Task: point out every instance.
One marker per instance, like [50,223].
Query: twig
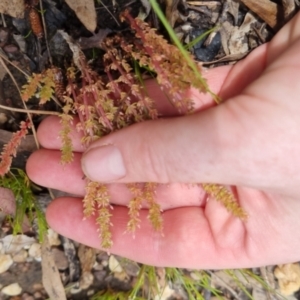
[14,65]
[3,20]
[45,32]
[28,114]
[105,7]
[30,111]
[234,294]
[265,274]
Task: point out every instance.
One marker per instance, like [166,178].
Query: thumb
[193,148]
[202,147]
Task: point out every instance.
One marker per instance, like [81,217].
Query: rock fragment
[5,262]
[13,289]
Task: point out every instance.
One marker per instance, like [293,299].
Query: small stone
[38,295]
[100,275]
[90,293]
[5,262]
[98,267]
[121,276]
[20,256]
[165,293]
[26,296]
[104,263]
[86,280]
[76,289]
[3,118]
[130,267]
[12,290]
[10,48]
[60,259]
[35,251]
[114,265]
[37,287]
[102,256]
[53,238]
[14,243]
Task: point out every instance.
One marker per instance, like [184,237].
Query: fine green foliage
[151,282]
[193,287]
[199,38]
[26,204]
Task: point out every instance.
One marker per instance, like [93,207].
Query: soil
[83,271]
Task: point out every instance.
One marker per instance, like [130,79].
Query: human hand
[250,141]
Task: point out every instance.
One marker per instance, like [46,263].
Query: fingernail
[103,164]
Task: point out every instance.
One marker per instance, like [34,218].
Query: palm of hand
[256,131]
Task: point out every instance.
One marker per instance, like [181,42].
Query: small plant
[10,149]
[152,283]
[108,103]
[24,203]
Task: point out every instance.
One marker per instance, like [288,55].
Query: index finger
[48,131]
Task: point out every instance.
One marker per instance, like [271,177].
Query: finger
[184,149]
[226,81]
[48,134]
[232,143]
[49,129]
[215,79]
[69,178]
[44,168]
[187,240]
[213,146]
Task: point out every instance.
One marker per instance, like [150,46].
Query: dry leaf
[114,265]
[172,13]
[259,293]
[288,276]
[13,289]
[14,243]
[289,7]
[3,71]
[85,11]
[51,278]
[5,262]
[95,41]
[87,257]
[237,43]
[233,9]
[14,8]
[234,39]
[265,9]
[164,291]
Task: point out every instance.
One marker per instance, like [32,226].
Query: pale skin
[251,141]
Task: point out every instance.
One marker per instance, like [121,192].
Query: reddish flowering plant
[117,99]
[10,149]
